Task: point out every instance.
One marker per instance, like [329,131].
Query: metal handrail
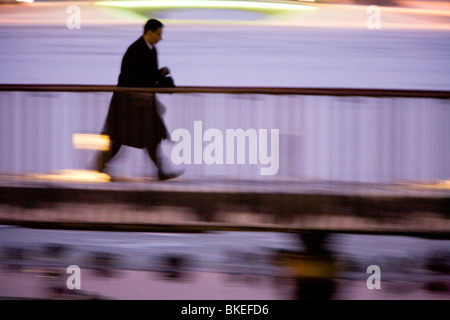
[437,94]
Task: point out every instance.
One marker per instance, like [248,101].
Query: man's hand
[164,71]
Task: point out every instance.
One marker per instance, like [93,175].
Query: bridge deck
[194,205]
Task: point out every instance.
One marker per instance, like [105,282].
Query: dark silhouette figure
[133,119]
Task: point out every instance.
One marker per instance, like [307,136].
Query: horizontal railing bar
[200,228]
[234,90]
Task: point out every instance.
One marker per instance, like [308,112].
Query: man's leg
[155,154]
[105,156]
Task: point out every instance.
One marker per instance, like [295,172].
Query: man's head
[153,31]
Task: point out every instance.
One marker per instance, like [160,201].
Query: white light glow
[207,4]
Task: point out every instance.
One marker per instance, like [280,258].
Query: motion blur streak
[206,4]
[90,141]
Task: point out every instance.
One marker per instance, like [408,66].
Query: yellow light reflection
[445,184]
[90,141]
[74,176]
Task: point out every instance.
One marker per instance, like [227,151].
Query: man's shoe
[171,175]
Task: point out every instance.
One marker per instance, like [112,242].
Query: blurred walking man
[133,119]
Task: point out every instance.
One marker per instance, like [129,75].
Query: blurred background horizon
[300,44]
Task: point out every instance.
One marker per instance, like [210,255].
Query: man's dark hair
[152,25]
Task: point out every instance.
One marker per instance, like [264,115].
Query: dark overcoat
[133,119]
